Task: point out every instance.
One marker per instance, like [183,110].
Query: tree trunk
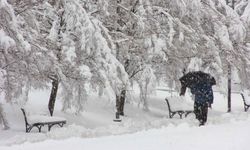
[120,100]
[3,118]
[229,89]
[144,96]
[53,94]
[8,95]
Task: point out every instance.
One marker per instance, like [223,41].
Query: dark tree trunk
[52,98]
[231,3]
[229,89]
[120,100]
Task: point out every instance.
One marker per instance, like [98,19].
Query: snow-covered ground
[95,129]
[233,136]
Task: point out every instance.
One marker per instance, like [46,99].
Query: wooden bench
[246,103]
[182,107]
[39,121]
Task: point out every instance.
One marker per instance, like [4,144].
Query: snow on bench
[178,105]
[41,120]
[246,99]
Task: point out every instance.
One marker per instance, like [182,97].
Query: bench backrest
[25,117]
[245,99]
[169,107]
[178,103]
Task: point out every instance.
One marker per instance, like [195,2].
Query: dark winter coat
[203,93]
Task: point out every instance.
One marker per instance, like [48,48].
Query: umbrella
[192,78]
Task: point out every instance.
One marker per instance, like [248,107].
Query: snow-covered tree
[14,51]
[126,24]
[208,31]
[58,42]
[179,33]
[75,44]
[147,82]
[81,50]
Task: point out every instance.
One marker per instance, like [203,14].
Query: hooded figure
[200,85]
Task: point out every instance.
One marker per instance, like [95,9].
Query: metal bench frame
[246,106]
[39,125]
[179,112]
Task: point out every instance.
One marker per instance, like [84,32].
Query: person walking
[200,85]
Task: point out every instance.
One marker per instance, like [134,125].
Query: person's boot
[202,123]
[122,113]
[6,127]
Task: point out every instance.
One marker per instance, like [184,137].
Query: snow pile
[223,137]
[97,121]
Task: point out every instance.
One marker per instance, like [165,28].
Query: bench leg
[28,128]
[171,114]
[51,125]
[246,108]
[187,113]
[180,114]
[61,124]
[39,127]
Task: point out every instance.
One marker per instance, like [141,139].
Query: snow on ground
[95,129]
[212,137]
